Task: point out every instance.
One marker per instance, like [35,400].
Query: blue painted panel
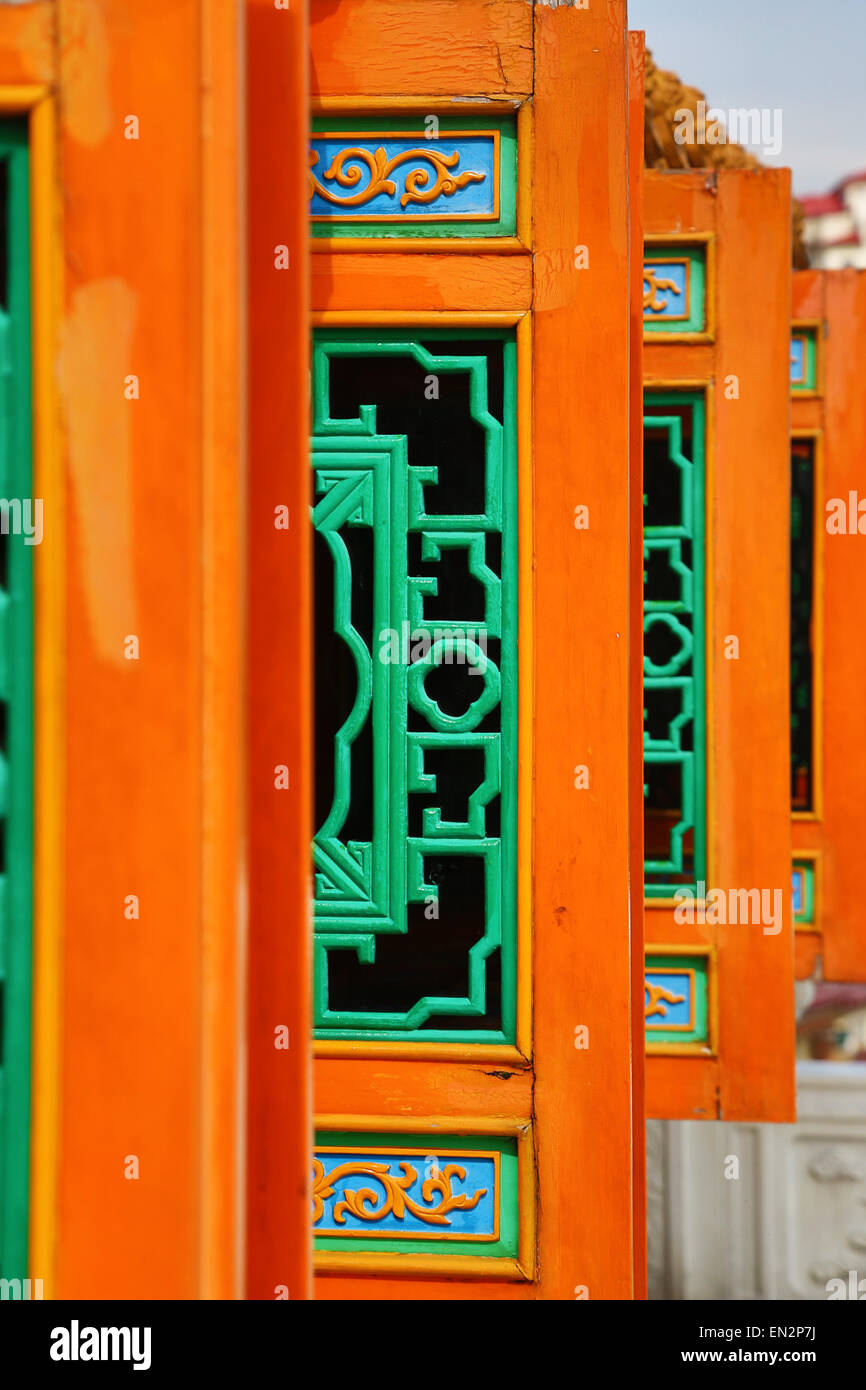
[476,156]
[798,360]
[349,1172]
[672,299]
[677,1014]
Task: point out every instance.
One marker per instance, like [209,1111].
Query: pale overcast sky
[805,57]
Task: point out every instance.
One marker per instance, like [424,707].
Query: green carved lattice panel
[415,516]
[802,597]
[674,644]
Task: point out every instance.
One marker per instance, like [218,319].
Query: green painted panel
[16,695]
[415,513]
[674,642]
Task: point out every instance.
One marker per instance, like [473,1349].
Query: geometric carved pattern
[417,829]
[802,592]
[674,696]
[372,1192]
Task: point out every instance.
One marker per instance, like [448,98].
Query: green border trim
[806,916]
[16,910]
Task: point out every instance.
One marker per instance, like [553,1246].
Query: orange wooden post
[279,720]
[139,460]
[557,283]
[828,432]
[636,54]
[726,346]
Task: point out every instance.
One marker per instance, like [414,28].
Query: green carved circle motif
[473,657]
[679,658]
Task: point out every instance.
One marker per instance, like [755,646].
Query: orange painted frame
[834,304]
[752,1075]
[145,1018]
[279,693]
[580,58]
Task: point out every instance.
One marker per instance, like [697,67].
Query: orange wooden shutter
[828,438]
[533,1206]
[719,998]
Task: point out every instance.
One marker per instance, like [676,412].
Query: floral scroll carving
[391,1197]
[433,176]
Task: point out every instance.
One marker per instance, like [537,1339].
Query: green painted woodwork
[366,226]
[674,614]
[805,916]
[366,481]
[16,695]
[809,382]
[506,1247]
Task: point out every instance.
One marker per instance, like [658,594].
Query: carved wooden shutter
[719,993]
[828,568]
[470,503]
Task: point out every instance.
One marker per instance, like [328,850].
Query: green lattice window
[674,643]
[16,701]
[802,588]
[415,515]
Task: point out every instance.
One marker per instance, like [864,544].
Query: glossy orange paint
[279,661]
[750,1074]
[588,1195]
[150,1016]
[835,302]
[636,64]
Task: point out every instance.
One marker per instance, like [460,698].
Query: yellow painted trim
[506,245]
[690,239]
[424,105]
[463,1266]
[20,99]
[525,685]
[49,624]
[454,1266]
[525,147]
[501,1055]
[414,318]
